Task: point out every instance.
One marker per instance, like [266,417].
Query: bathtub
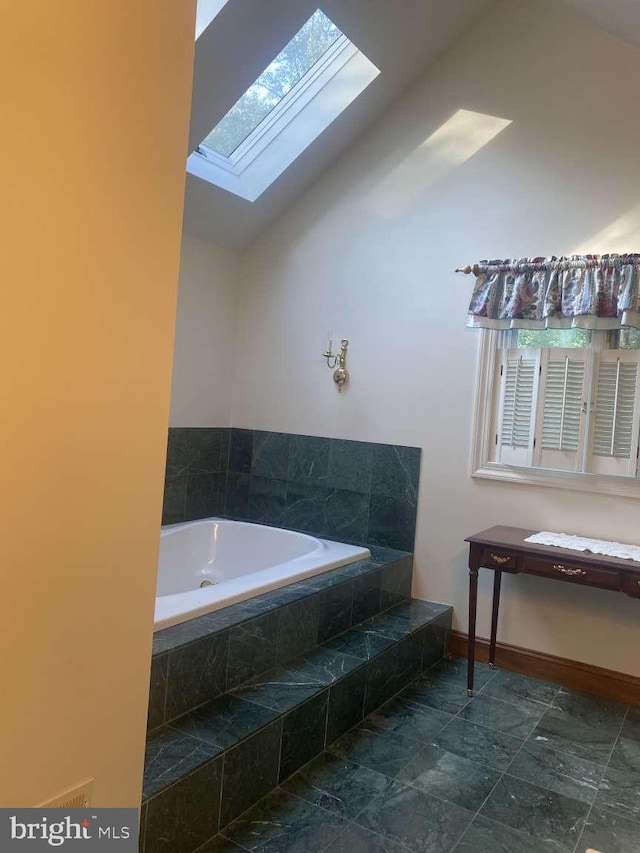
[211,563]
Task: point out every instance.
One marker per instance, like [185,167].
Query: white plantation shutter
[615,413]
[561,411]
[517,410]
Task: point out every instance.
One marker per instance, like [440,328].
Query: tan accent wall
[95,108]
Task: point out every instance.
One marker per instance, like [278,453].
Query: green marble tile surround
[428,773]
[205,767]
[352,491]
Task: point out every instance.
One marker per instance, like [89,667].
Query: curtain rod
[579,262]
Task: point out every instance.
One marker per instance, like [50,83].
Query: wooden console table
[503,549]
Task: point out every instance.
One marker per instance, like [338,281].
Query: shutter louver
[519,390]
[615,418]
[561,428]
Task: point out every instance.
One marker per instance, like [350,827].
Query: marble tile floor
[524,766]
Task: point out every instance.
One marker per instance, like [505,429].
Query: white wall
[370,251]
[205,334]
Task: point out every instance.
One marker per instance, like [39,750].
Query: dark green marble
[305,507]
[297,628]
[563,731]
[626,755]
[511,686]
[267,500]
[620,792]
[279,689]
[282,823]
[486,836]
[225,721]
[386,753]
[185,816]
[558,771]
[518,717]
[347,515]
[350,464]
[631,727]
[366,596]
[250,771]
[270,455]
[203,495]
[303,734]
[360,644]
[252,648]
[208,449]
[541,813]
[407,719]
[157,691]
[381,678]
[609,832]
[486,746]
[324,665]
[169,756]
[355,839]
[443,696]
[449,777]
[455,670]
[219,844]
[419,822]
[395,583]
[309,459]
[591,710]
[338,785]
[196,674]
[395,471]
[334,611]
[175,498]
[346,705]
[240,450]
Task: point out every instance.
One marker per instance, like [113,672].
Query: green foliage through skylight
[277,80]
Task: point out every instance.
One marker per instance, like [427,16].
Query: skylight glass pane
[288,68]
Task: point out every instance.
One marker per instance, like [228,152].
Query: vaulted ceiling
[401,37]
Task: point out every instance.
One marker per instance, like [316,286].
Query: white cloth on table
[582,543]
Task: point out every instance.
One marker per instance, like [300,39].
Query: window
[306,86]
[306,48]
[560,407]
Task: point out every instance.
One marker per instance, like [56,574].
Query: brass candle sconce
[338,363]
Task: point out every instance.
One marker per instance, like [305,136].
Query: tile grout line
[606,766]
[604,773]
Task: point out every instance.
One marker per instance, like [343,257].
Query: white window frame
[333,83]
[483,436]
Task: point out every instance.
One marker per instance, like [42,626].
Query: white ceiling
[619,18]
[401,38]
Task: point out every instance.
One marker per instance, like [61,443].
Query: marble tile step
[277,722]
[201,659]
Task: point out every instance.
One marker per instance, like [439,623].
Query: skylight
[289,67]
[302,90]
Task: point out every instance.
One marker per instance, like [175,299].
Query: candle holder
[338,363]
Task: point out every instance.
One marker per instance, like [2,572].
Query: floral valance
[582,291]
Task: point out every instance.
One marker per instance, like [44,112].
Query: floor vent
[79,797]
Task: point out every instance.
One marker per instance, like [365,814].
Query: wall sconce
[338,363]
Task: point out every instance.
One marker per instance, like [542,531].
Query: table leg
[473,603]
[494,617]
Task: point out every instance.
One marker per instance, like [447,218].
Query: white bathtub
[208,564]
